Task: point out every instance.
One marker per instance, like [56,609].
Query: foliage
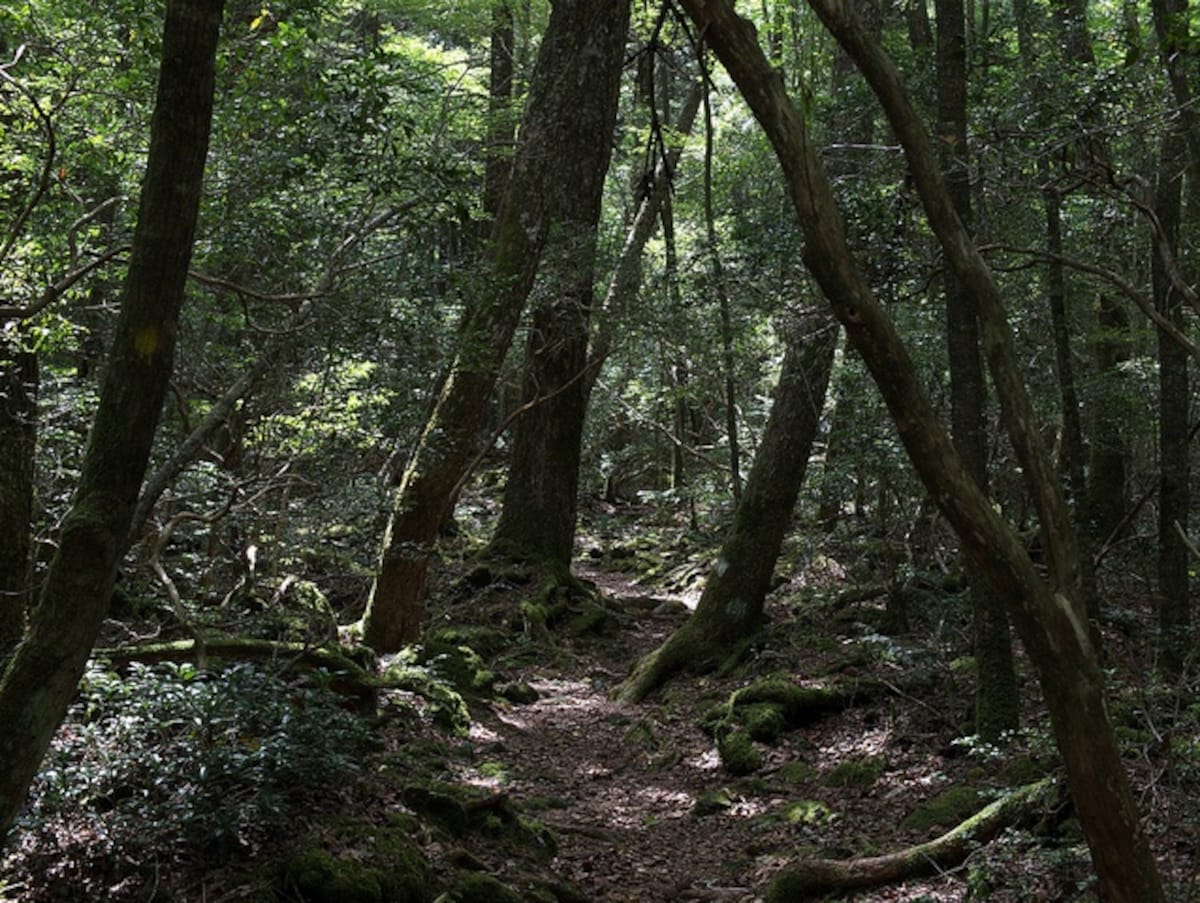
[170,762]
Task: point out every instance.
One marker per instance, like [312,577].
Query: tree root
[808,877]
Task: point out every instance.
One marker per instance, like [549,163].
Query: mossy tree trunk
[18,434]
[996,702]
[1049,616]
[537,519]
[566,116]
[42,675]
[731,607]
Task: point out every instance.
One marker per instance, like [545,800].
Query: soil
[642,808]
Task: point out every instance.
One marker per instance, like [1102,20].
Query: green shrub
[169,758]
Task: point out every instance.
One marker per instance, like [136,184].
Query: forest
[494,450]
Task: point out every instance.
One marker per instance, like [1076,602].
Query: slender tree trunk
[1049,618]
[1174,598]
[731,608]
[568,116]
[1174,601]
[996,702]
[500,113]
[718,283]
[42,675]
[18,435]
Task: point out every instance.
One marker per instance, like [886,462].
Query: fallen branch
[347,677]
[808,877]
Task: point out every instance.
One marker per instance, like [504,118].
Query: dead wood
[817,876]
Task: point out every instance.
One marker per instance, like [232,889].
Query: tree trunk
[18,435]
[731,608]
[1174,602]
[569,113]
[1049,618]
[42,675]
[996,702]
[1174,598]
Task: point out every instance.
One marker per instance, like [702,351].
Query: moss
[487,641]
[441,805]
[796,773]
[316,876]
[808,812]
[711,802]
[857,772]
[738,753]
[945,810]
[763,721]
[798,705]
[460,665]
[591,619]
[477,887]
[788,886]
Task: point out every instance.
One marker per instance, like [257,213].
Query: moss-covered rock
[518,692]
[382,865]
[944,811]
[763,721]
[738,753]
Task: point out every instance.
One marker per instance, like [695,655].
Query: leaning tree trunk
[1049,618]
[18,434]
[42,675]
[574,86]
[731,607]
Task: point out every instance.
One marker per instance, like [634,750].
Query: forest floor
[587,799]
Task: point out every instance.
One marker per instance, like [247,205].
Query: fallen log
[808,877]
[347,677]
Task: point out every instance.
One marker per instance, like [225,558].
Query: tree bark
[996,702]
[42,675]
[568,114]
[1049,618]
[731,607]
[1173,602]
[18,436]
[1174,597]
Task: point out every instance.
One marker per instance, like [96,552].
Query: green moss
[460,665]
[944,811]
[857,772]
[477,887]
[798,705]
[763,721]
[711,802]
[591,619]
[796,773]
[788,886]
[316,876]
[1020,771]
[738,753]
[442,805]
[808,812]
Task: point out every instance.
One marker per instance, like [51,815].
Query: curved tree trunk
[564,137]
[41,677]
[1049,618]
[731,608]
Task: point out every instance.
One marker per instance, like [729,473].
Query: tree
[41,677]
[1048,617]
[564,134]
[996,702]
[730,610]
